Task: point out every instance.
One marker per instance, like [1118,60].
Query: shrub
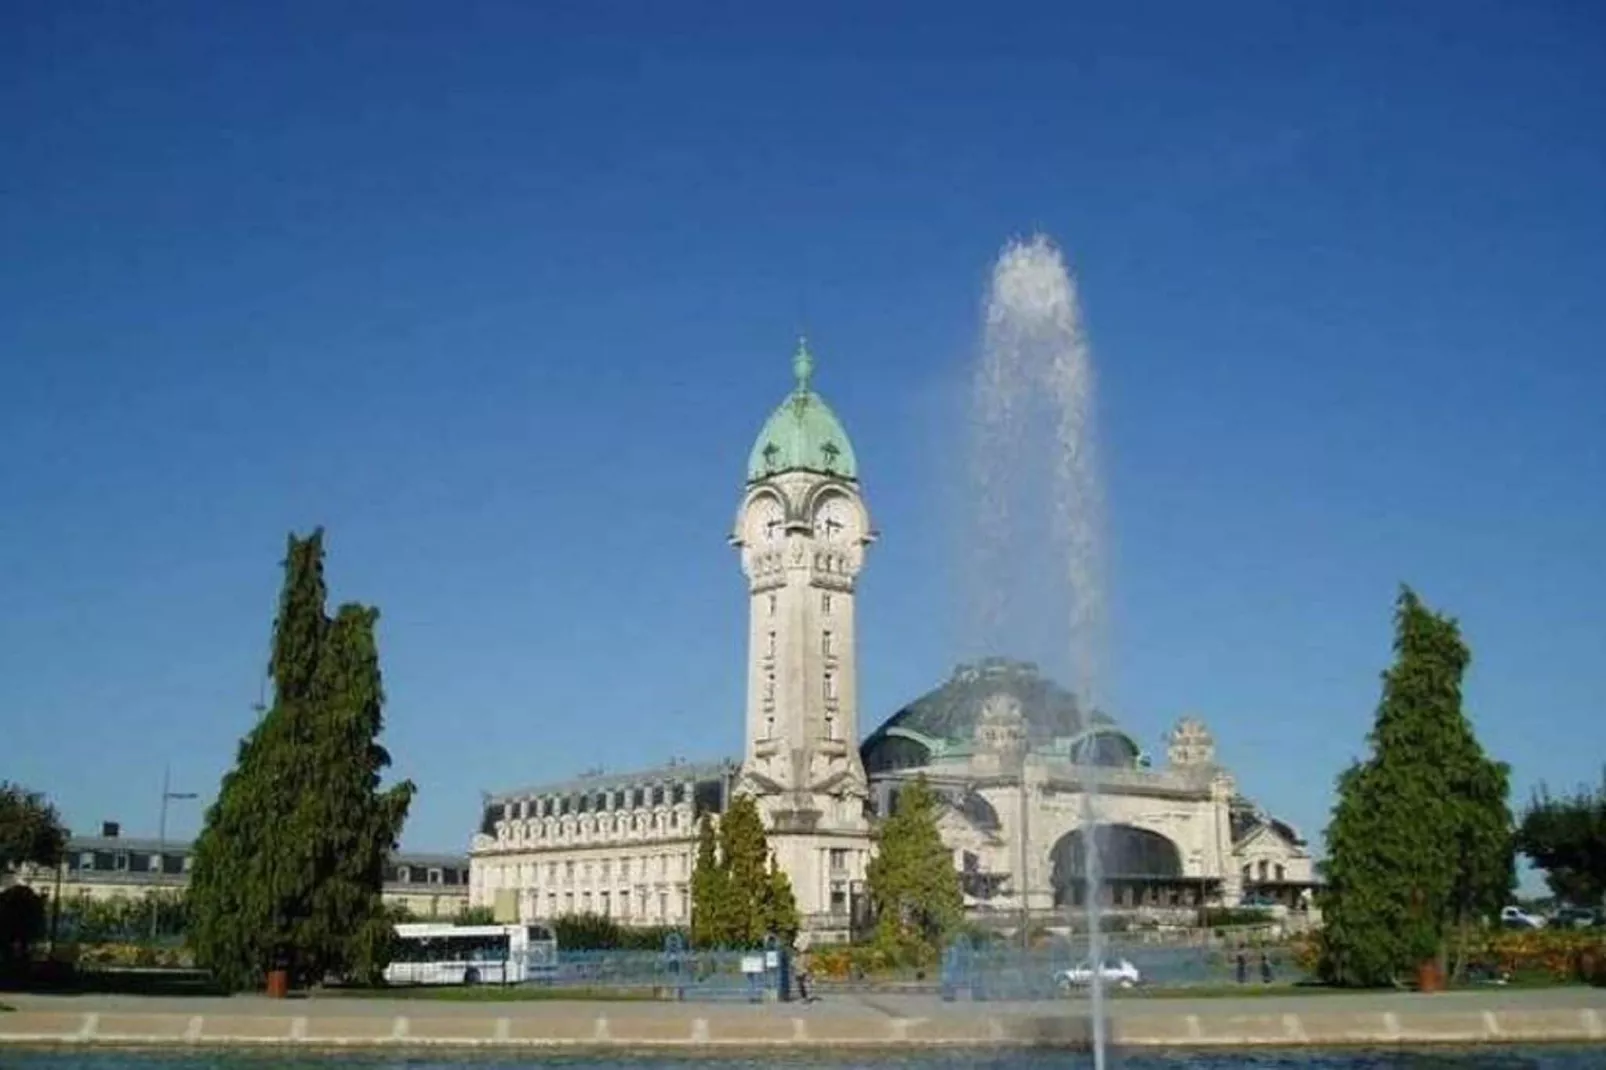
[1233,917]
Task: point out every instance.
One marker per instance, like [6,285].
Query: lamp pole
[1025,861]
[168,794]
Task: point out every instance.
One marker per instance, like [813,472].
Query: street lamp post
[168,794]
[1025,861]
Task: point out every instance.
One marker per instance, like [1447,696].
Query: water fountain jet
[1035,474]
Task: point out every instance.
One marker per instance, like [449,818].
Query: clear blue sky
[501,296]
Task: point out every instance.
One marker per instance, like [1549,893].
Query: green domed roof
[803,434]
[945,721]
[951,712]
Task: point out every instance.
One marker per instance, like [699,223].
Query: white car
[1118,972]
[1518,918]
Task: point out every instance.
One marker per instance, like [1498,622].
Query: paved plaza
[1322,1019]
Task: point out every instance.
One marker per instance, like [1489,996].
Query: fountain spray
[1035,442]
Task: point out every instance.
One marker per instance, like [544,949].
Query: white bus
[444,954]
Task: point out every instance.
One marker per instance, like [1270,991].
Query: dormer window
[771,452]
[830,453]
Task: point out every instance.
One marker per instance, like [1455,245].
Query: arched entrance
[1137,867]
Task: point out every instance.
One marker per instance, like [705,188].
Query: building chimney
[110,829]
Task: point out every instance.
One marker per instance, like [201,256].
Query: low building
[111,866]
[620,845]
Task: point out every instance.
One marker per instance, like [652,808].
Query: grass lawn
[1228,991]
[1249,991]
[495,993]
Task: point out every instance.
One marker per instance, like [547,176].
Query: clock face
[834,520]
[764,521]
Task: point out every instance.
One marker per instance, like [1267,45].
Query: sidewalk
[1368,1019]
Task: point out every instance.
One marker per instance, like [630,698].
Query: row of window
[447,875]
[607,800]
[169,863]
[621,904]
[177,863]
[1266,871]
[588,871]
[827,644]
[566,830]
[825,605]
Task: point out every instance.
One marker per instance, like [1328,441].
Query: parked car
[1117,972]
[1518,918]
[1575,918]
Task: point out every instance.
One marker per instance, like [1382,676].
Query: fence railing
[1061,969]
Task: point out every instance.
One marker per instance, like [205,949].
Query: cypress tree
[744,856]
[707,889]
[1420,838]
[913,886]
[359,825]
[780,905]
[288,866]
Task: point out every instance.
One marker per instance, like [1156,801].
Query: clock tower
[802,531]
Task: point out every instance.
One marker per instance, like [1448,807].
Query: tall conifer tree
[707,889]
[288,866]
[744,855]
[1421,835]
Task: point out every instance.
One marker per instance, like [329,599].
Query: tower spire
[802,364]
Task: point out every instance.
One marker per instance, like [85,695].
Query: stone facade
[1023,774]
[1011,754]
[802,538]
[621,846]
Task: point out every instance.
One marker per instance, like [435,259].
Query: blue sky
[500,297]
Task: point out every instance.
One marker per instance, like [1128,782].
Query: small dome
[803,434]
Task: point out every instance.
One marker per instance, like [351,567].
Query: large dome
[946,720]
[803,434]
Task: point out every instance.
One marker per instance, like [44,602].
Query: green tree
[475,916]
[913,886]
[739,894]
[1486,868]
[780,905]
[744,857]
[1566,837]
[707,889]
[289,864]
[1420,839]
[22,923]
[358,823]
[31,832]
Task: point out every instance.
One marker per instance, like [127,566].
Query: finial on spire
[802,364]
